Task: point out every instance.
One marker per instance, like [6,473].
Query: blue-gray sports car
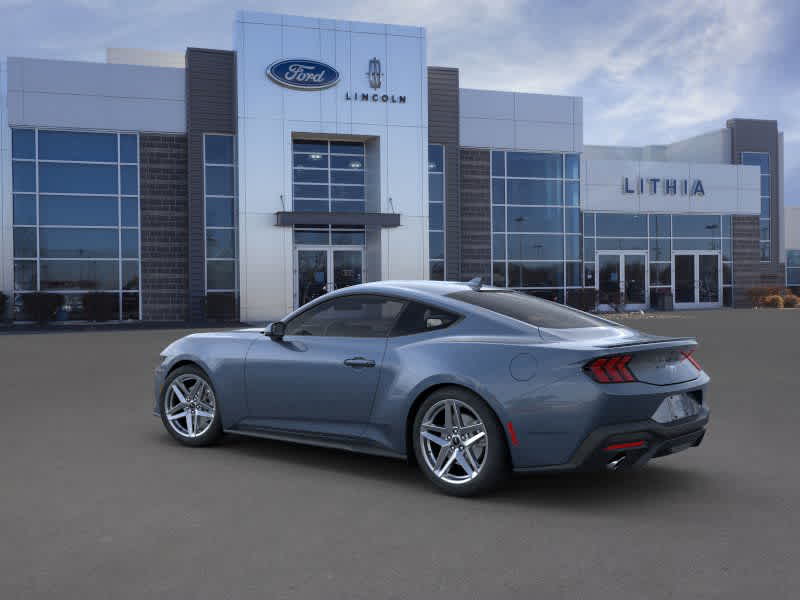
[470,382]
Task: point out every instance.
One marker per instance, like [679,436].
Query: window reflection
[88,217]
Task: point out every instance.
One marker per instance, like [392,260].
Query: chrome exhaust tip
[615,464]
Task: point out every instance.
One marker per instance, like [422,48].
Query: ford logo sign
[303,74]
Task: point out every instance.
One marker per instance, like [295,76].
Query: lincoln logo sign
[302,74]
[668,186]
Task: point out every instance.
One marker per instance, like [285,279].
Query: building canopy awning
[287,219]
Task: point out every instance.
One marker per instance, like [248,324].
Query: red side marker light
[512,434]
[688,356]
[625,445]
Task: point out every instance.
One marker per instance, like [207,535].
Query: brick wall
[165,227]
[476,216]
[746,253]
[748,271]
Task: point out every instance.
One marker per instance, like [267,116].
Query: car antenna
[475,284]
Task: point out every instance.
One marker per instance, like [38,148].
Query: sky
[649,72]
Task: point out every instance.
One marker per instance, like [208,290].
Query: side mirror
[275,330]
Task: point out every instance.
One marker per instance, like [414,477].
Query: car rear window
[529,309]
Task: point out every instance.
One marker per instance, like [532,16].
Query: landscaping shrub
[41,306]
[773,301]
[99,306]
[790,301]
[758,295]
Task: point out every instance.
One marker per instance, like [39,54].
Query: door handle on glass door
[359,362]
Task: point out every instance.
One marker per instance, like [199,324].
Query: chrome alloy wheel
[190,405]
[453,441]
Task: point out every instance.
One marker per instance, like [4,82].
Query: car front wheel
[189,407]
[459,443]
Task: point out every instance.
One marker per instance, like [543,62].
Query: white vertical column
[6,204]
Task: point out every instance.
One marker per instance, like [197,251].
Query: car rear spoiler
[651,344]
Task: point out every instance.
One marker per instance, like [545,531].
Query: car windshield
[529,309]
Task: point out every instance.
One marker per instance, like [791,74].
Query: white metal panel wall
[729,189]
[6,205]
[491,119]
[83,95]
[791,227]
[269,115]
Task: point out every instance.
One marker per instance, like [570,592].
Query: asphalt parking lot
[98,501]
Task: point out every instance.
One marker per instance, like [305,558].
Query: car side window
[360,316]
[418,317]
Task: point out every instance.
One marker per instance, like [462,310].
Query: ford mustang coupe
[470,382]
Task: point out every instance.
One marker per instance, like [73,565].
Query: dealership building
[320,153]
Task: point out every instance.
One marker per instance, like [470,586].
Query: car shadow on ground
[576,490]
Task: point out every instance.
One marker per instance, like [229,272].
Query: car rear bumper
[632,444]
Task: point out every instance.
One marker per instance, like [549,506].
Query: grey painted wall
[210,108]
[443,128]
[86,95]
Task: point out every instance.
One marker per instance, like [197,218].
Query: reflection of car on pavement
[471,382]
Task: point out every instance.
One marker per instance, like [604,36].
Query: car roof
[419,286]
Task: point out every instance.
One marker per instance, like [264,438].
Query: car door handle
[359,362]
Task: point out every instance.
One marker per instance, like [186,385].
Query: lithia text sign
[667,186]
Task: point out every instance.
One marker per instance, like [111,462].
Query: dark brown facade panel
[755,135]
[210,108]
[746,254]
[164,226]
[476,219]
[443,128]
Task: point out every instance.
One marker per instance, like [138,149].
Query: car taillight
[688,356]
[610,369]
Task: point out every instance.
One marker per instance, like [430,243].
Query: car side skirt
[349,444]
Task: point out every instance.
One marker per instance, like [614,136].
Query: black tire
[213,431]
[495,467]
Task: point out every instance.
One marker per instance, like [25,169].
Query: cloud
[649,72]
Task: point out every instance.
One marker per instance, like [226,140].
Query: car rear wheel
[459,443]
[189,408]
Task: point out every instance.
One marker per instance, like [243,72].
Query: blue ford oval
[303,74]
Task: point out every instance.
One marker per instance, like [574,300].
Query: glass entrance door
[347,268]
[697,279]
[622,280]
[635,279]
[708,278]
[322,270]
[312,275]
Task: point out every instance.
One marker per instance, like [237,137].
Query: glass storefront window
[219,155]
[762,161]
[436,215]
[533,164]
[659,235]
[328,176]
[621,225]
[536,222]
[77,226]
[696,225]
[793,267]
[572,166]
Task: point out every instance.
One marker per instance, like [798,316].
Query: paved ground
[97,500]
